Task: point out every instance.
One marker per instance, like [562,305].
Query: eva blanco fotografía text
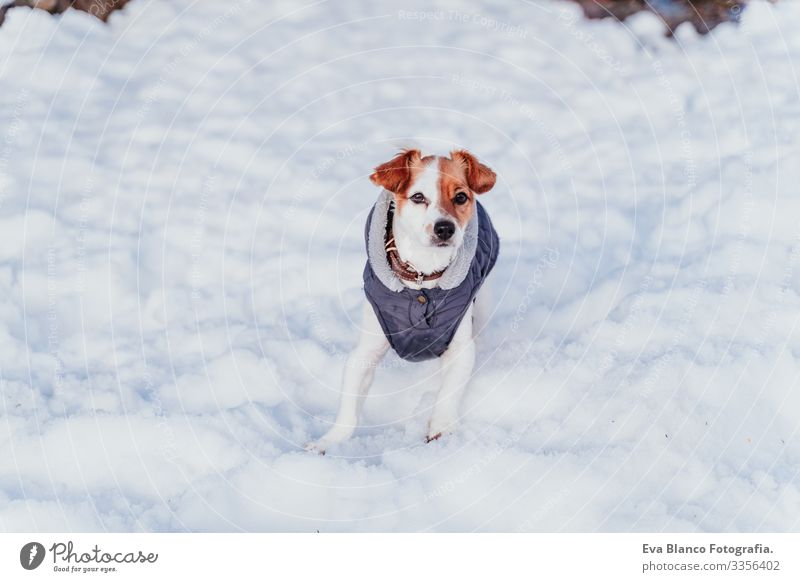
[706,549]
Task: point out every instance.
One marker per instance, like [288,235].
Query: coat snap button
[421,298]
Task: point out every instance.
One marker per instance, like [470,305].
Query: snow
[182,198]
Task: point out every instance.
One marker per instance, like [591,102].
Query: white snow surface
[182,200]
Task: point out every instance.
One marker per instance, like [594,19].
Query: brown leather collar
[404,269]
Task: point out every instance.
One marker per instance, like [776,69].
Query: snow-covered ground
[182,200]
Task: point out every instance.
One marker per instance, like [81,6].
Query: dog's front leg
[358,373]
[457,364]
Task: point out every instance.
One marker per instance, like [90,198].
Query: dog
[430,247]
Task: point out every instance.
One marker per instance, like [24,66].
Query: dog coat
[420,324]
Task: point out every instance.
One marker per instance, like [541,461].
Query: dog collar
[405,269]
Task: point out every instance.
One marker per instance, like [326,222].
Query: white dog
[430,247]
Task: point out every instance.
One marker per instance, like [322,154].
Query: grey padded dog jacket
[420,324]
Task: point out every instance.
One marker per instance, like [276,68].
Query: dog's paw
[317,447]
[440,426]
[433,437]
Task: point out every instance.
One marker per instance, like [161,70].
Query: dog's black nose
[444,229]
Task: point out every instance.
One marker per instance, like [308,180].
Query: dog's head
[434,195]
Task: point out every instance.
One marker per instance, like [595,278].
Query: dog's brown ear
[395,174]
[480,178]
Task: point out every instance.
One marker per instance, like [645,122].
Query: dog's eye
[417,198]
[461,198]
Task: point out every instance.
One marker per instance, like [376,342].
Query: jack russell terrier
[430,247]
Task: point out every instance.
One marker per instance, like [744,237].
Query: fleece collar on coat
[453,275]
